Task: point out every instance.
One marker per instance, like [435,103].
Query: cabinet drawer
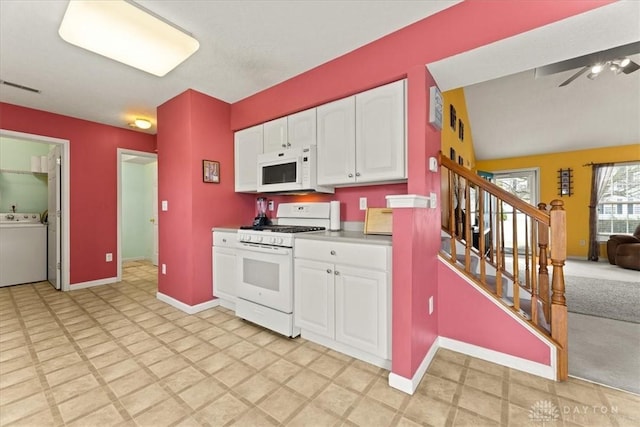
[225,239]
[360,255]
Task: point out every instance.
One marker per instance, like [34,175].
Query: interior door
[54,230]
[154,218]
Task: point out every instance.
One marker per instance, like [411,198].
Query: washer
[23,249]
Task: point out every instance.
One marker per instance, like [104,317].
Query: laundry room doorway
[137,208]
[56,216]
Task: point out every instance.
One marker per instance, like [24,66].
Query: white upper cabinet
[275,135]
[336,142]
[380,134]
[301,128]
[247,144]
[361,139]
[296,130]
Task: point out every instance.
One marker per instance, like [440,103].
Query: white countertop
[347,236]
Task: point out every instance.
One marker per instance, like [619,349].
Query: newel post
[559,318]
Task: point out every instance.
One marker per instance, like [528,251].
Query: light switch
[433,164]
[363,203]
[165,205]
[433,203]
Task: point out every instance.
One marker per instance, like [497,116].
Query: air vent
[19,86]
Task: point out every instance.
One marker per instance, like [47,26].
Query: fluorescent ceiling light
[121,31]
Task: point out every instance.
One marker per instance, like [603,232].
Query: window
[619,207]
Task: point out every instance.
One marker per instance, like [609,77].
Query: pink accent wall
[193,127]
[349,198]
[464,314]
[405,53]
[93,169]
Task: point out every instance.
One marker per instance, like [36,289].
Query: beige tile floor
[115,355]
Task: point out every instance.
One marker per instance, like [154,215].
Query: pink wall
[93,199]
[349,198]
[402,54]
[193,127]
[464,314]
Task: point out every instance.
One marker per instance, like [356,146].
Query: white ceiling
[248,46]
[245,46]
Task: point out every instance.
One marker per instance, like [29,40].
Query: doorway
[524,184]
[58,253]
[137,207]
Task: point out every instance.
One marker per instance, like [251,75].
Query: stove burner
[283,228]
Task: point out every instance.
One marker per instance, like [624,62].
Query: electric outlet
[582,242]
[271,207]
[165,205]
[164,268]
[363,203]
[109,257]
[431,305]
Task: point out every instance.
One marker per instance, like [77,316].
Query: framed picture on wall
[453,118]
[452,154]
[211,171]
[460,130]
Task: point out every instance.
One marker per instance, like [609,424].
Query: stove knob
[273,240]
[259,239]
[279,240]
[246,238]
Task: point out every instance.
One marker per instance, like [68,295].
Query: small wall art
[211,171]
[453,118]
[565,182]
[460,130]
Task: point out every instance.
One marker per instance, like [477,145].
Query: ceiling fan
[615,59]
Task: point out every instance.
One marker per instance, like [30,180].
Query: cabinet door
[380,133]
[301,128]
[362,309]
[225,275]
[247,144]
[313,297]
[336,142]
[275,135]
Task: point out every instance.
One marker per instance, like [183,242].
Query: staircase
[516,274]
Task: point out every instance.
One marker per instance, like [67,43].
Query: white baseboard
[513,362]
[92,283]
[189,309]
[231,305]
[409,385]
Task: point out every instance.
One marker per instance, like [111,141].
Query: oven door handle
[272,250]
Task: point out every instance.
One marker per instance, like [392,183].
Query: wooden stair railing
[505,245]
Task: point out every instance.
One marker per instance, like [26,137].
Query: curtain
[600,176]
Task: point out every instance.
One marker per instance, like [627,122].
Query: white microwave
[291,170]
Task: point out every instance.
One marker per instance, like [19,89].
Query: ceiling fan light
[614,67]
[625,62]
[596,69]
[592,76]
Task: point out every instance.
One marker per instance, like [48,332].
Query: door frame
[120,153]
[65,211]
[535,170]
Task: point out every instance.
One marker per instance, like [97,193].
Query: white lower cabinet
[345,304]
[225,273]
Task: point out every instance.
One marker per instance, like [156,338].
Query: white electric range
[265,265]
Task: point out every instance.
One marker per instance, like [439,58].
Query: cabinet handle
[329,270]
[224,240]
[288,144]
[350,175]
[336,272]
[333,252]
[284,145]
[357,173]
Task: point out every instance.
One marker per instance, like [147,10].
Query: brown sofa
[624,250]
